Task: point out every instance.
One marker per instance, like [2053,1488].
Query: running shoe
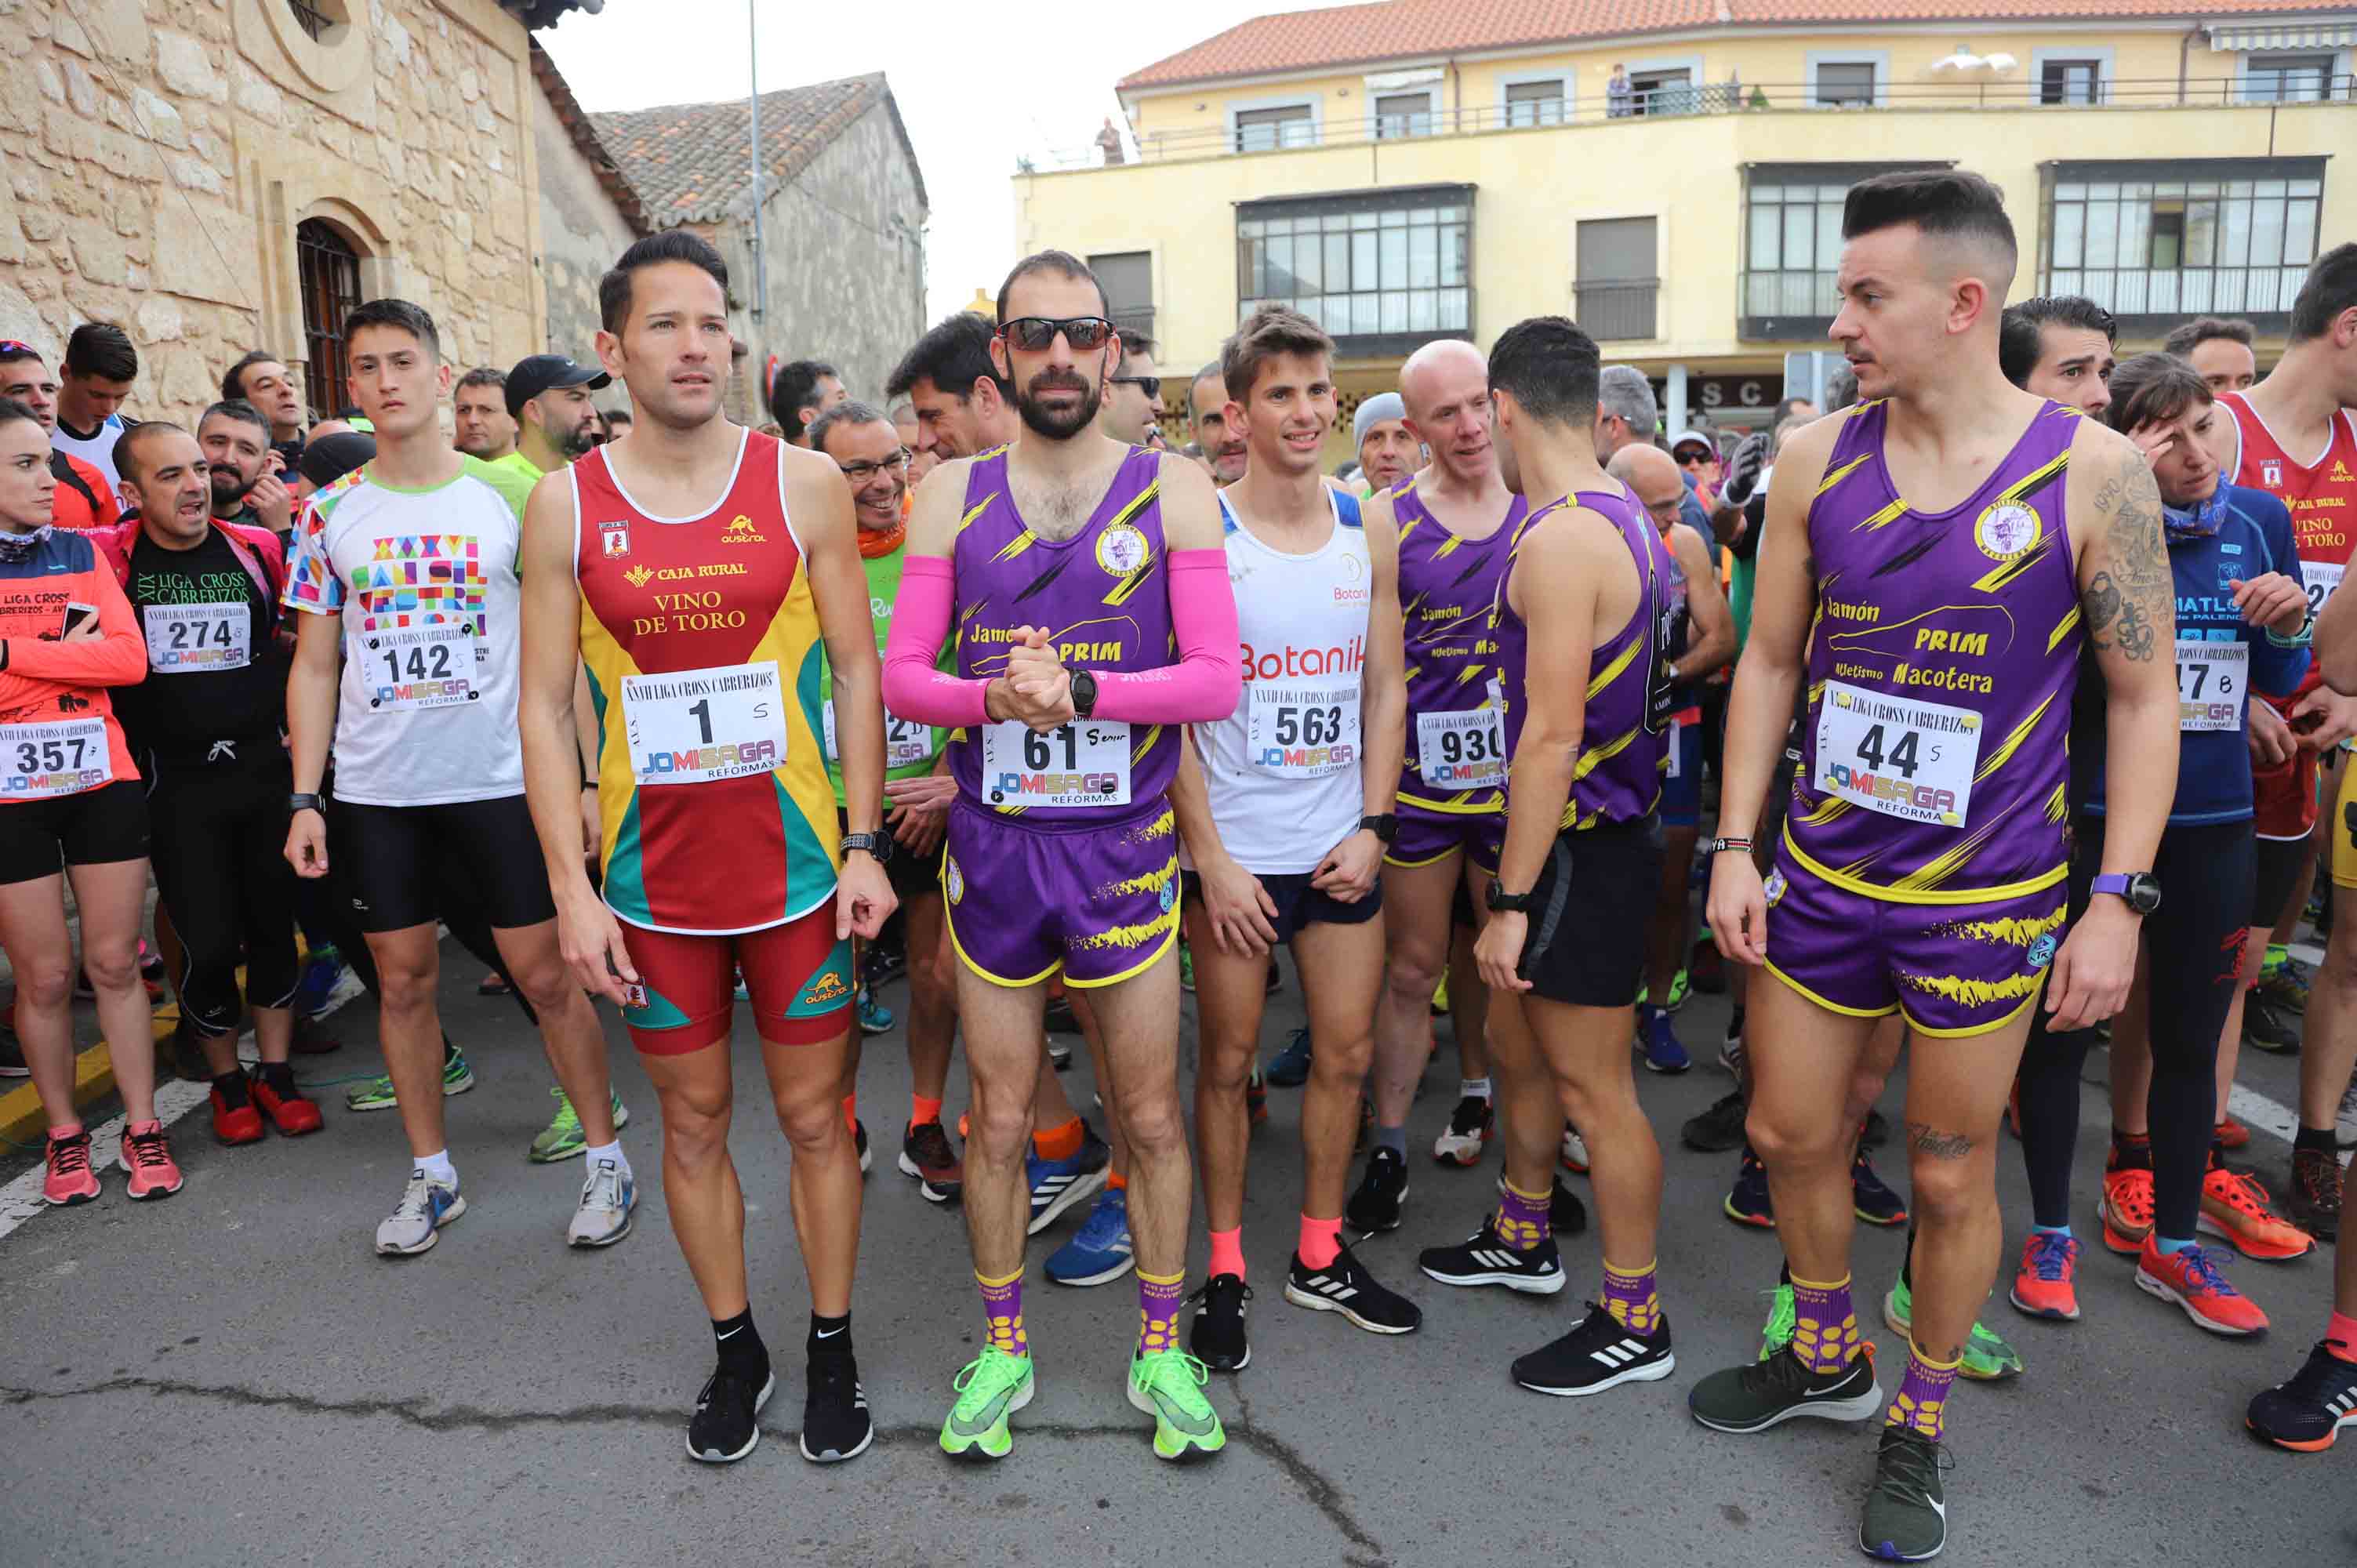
[1168,1386]
[926,1153]
[146,1159]
[1987,1358]
[1290,1069]
[990,1388]
[1708,969]
[1057,1019]
[2229,1134]
[1345,1286]
[1100,1251]
[2234,1205]
[1484,1260]
[377,1093]
[1906,1517]
[867,1156]
[313,1038]
[1876,1132]
[875,1018]
[67,1179]
[11,1055]
[835,1422]
[2046,1285]
[1275,978]
[2286,986]
[888,960]
[1471,1127]
[293,1114]
[323,967]
[1597,1355]
[2267,1023]
[2306,1414]
[563,1139]
[1440,1008]
[427,1205]
[494,984]
[1747,1201]
[1057,1185]
[1765,1393]
[1217,1337]
[2314,1196]
[1573,1155]
[728,1419]
[1783,1318]
[1566,1216]
[2127,1209]
[1719,1129]
[1376,1206]
[2189,1278]
[608,1195]
[1658,1038]
[235,1119]
[1681,988]
[1186,968]
[1869,1198]
[1730,1045]
[1256,1095]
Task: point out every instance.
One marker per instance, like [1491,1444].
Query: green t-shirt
[1739,601]
[519,464]
[918,746]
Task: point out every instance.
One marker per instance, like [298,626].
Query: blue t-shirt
[2214,764]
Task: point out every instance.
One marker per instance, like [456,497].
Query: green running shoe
[377,1093]
[990,1388]
[1186,968]
[1782,1316]
[875,1018]
[1681,987]
[563,1139]
[1168,1386]
[1987,1359]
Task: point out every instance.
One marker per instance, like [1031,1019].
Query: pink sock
[2340,1337]
[1228,1252]
[1320,1240]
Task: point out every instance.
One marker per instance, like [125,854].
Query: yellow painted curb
[22,1121]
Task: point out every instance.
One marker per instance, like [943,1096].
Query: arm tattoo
[1926,1139]
[2129,598]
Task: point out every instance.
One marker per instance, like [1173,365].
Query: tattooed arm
[2127,603]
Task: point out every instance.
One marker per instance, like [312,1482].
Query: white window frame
[2099,53]
[2345,63]
[1691,64]
[1878,58]
[1432,111]
[1563,79]
[1312,101]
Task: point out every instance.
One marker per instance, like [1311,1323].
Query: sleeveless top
[1103,596]
[702,641]
[1623,747]
[1282,772]
[1456,758]
[1935,757]
[2322,496]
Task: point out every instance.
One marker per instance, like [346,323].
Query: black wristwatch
[1507,903]
[307,803]
[1384,825]
[1084,695]
[878,844]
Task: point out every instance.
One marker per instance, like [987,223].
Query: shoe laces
[147,1150]
[930,1142]
[2319,1176]
[970,1374]
[604,1186]
[1164,1367]
[2241,1192]
[1201,1295]
[1910,1465]
[1106,1221]
[2052,1255]
[2200,1272]
[567,1119]
[70,1157]
[416,1201]
[1783,1315]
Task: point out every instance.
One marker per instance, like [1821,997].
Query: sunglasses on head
[1033,333]
[1150,385]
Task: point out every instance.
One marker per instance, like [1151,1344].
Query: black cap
[546,372]
[330,458]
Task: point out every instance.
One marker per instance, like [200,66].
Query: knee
[47,983]
[812,1123]
[1791,1143]
[1413,971]
[546,983]
[112,966]
[1947,1191]
[406,988]
[1342,1064]
[2340,951]
[1224,1066]
[999,1123]
[695,1127]
[1153,1125]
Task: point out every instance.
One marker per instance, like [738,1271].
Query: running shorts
[2279,862]
[410,865]
[1100,903]
[1586,945]
[2344,825]
[912,876]
[1427,836]
[2283,797]
[1298,903]
[798,974]
[1681,804]
[95,827]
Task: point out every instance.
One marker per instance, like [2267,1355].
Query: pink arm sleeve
[1204,684]
[913,688]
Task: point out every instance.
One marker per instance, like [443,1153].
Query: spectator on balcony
[1109,143]
[1388,450]
[1617,93]
[2220,348]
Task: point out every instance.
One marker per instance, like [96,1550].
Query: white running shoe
[1574,1151]
[427,1205]
[607,1197]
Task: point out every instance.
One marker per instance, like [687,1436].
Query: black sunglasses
[1034,333]
[1150,385]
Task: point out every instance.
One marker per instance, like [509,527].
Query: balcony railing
[1700,98]
[1620,310]
[2170,294]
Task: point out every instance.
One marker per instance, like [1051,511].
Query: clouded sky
[979,84]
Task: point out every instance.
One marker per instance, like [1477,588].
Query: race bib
[2212,682]
[1464,750]
[421,667]
[1304,732]
[1896,755]
[186,638]
[688,726]
[2322,578]
[1084,763]
[906,744]
[39,761]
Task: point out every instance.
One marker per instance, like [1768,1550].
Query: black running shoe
[1877,1130]
[1376,1205]
[1484,1260]
[1870,1198]
[1597,1355]
[1345,1286]
[1747,1202]
[1757,1395]
[1906,1517]
[2313,1199]
[835,1424]
[1058,1019]
[2308,1413]
[1217,1339]
[727,1419]
[1566,1216]
[1719,1129]
[2267,1023]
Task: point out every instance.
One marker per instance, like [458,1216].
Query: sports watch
[878,844]
[1507,903]
[2139,890]
[1084,695]
[1385,826]
[307,803]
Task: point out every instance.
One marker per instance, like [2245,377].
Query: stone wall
[158,155]
[581,236]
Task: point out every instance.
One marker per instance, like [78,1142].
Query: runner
[693,567]
[73,799]
[2220,348]
[556,422]
[409,565]
[1272,813]
[244,469]
[1933,772]
[1389,449]
[84,496]
[484,429]
[1061,844]
[1222,443]
[100,366]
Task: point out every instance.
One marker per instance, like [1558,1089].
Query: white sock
[1467,1088]
[612,1151]
[437,1166]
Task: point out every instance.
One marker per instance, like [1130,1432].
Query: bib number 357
[42,761]
[1896,756]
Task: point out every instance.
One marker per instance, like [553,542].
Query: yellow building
[1671,173]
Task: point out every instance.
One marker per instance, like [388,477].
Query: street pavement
[233,1376]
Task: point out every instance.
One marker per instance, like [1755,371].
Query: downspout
[2184,53]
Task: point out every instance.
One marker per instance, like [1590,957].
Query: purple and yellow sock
[1920,1405]
[1523,1222]
[1158,1298]
[1001,1311]
[1824,1325]
[1630,1298]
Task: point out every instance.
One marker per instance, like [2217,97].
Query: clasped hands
[1036,690]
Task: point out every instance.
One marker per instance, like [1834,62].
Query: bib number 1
[689,727]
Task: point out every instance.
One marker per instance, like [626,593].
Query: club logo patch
[2006,531]
[2042,951]
[634,994]
[1121,550]
[953,878]
[2271,472]
[616,539]
[1773,887]
[1170,896]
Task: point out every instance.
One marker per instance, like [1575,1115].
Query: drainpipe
[1456,97]
[2184,51]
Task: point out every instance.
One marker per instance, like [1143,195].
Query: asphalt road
[232,1376]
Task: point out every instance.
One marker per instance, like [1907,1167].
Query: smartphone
[78,614]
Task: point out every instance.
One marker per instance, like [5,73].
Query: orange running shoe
[2189,1278]
[2231,1133]
[2236,1207]
[2042,1287]
[69,1178]
[2127,1209]
[147,1160]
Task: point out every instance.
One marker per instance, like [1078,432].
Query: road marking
[21,1199]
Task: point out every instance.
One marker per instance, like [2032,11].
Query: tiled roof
[689,161]
[577,122]
[1408,29]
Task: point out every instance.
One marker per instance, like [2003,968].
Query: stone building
[589,213]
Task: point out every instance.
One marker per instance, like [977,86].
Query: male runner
[1924,851]
[404,575]
[2220,348]
[261,378]
[1222,443]
[1073,567]
[100,366]
[243,470]
[1133,403]
[556,422]
[1386,442]
[482,426]
[695,569]
[1272,810]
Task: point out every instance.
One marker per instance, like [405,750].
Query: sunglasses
[1034,333]
[1150,385]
